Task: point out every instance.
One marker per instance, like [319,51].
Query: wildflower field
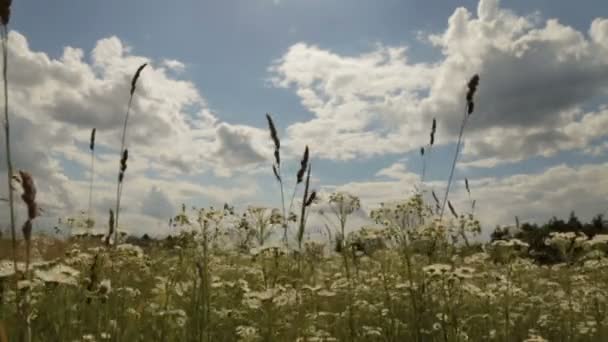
[410,278]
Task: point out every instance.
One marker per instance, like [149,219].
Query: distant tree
[535,235]
[596,226]
[500,233]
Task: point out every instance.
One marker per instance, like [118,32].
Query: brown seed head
[273,132]
[433,129]
[473,83]
[136,76]
[5,11]
[311,198]
[452,209]
[29,194]
[92,142]
[110,227]
[303,165]
[123,160]
[123,164]
[275,139]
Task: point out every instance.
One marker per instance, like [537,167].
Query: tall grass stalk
[299,176]
[29,198]
[276,169]
[472,87]
[92,148]
[123,151]
[306,202]
[4,16]
[425,152]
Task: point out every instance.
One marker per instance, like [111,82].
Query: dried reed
[123,151]
[472,88]
[29,198]
[299,175]
[427,150]
[472,201]
[5,13]
[276,169]
[110,227]
[306,202]
[437,204]
[452,209]
[90,222]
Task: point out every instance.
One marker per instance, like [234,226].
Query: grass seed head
[29,194]
[110,227]
[452,209]
[92,141]
[433,130]
[435,196]
[275,139]
[311,198]
[123,164]
[5,11]
[473,83]
[136,77]
[303,165]
[273,132]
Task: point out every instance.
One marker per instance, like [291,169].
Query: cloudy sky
[357,81]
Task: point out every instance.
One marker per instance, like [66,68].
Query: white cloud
[157,204]
[535,79]
[533,197]
[236,147]
[174,65]
[54,103]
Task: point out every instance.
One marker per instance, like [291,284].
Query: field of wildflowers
[407,278]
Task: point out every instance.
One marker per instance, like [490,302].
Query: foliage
[537,236]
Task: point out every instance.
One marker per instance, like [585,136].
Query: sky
[359,82]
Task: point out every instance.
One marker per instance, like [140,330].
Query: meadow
[419,273]
[408,279]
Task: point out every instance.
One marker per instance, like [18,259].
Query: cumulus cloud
[174,65]
[54,103]
[536,78]
[532,197]
[157,204]
[236,147]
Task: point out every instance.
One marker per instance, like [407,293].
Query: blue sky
[228,45]
[241,59]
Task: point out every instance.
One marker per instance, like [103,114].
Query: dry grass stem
[472,88]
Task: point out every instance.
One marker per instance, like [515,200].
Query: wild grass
[5,11]
[124,153]
[276,169]
[90,223]
[195,288]
[469,107]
